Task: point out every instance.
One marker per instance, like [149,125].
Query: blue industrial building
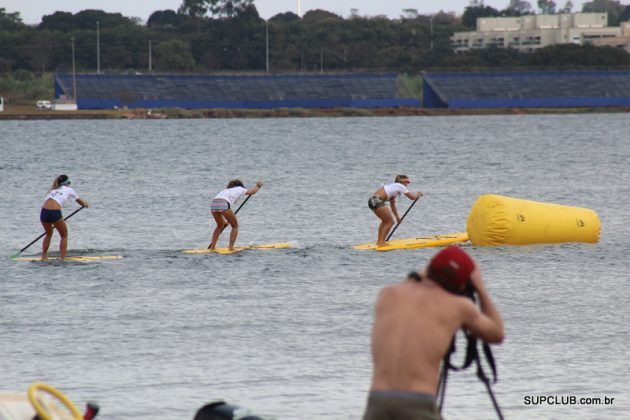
[105,91]
[526,89]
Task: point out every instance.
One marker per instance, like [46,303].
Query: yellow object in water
[281,245]
[419,242]
[498,220]
[84,258]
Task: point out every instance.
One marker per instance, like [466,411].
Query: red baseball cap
[451,267]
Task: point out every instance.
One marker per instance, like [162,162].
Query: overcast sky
[31,11]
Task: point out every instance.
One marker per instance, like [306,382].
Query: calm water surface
[286,333]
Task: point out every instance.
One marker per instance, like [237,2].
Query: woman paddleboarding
[377,203]
[51,216]
[221,208]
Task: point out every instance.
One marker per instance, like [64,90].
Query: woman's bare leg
[387,221]
[220,220]
[231,218]
[48,227]
[62,228]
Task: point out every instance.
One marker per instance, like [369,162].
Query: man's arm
[487,323]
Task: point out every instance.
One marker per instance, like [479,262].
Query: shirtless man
[414,324]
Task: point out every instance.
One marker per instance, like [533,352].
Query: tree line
[205,36]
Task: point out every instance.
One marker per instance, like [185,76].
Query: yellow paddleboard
[281,245]
[419,242]
[78,258]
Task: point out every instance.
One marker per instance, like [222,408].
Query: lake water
[286,333]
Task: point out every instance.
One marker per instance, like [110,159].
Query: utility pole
[98,48]
[150,67]
[267,45]
[74,75]
[431,30]
[321,60]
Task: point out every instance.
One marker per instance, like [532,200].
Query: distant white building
[620,41]
[530,32]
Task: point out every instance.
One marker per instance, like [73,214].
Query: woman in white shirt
[389,193]
[221,208]
[51,216]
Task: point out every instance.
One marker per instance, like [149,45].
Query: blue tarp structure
[102,91]
[526,89]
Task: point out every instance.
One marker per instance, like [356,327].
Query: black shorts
[50,216]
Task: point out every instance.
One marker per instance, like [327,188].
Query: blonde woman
[377,203]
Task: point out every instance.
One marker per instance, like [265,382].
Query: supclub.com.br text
[566,400]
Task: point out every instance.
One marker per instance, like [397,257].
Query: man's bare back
[414,324]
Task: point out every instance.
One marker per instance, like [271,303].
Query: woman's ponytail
[60,181]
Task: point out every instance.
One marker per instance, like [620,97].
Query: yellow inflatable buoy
[498,220]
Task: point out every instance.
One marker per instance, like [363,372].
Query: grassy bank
[28,112]
[23,87]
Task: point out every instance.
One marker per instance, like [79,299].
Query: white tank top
[232,194]
[62,194]
[394,190]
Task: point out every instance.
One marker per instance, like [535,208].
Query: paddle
[43,234]
[401,219]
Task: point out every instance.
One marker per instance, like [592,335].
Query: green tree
[471,14]
[193,8]
[567,8]
[174,55]
[319,15]
[126,49]
[58,21]
[230,8]
[10,21]
[410,14]
[612,7]
[40,51]
[237,42]
[218,8]
[86,20]
[165,18]
[547,7]
[286,17]
[520,7]
[571,56]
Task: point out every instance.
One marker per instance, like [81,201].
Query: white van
[44,106]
